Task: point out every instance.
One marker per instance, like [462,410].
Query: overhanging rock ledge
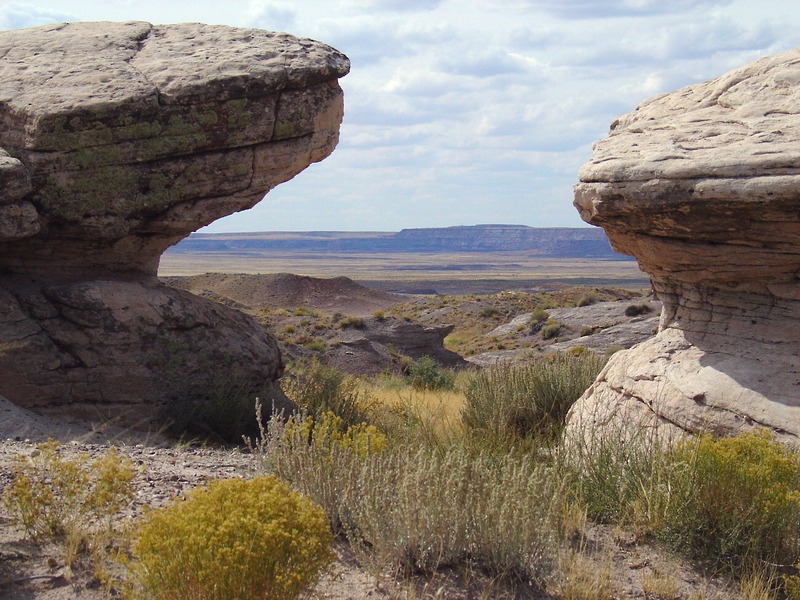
[702,187]
[116,141]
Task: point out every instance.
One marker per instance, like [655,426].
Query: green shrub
[379,315]
[634,310]
[618,474]
[317,389]
[737,499]
[730,501]
[315,345]
[587,299]
[539,315]
[613,349]
[551,329]
[427,374]
[354,322]
[234,539]
[488,312]
[507,403]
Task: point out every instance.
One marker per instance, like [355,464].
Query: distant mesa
[702,187]
[554,242]
[116,141]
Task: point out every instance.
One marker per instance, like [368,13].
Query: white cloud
[17,15]
[465,111]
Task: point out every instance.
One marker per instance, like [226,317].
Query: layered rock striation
[116,141]
[702,187]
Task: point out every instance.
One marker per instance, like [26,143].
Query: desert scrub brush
[234,540]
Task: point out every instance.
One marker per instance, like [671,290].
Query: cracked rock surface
[116,141]
[702,186]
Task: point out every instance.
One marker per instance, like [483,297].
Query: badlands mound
[284,290]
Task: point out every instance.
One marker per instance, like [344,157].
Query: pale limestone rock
[116,141]
[702,186]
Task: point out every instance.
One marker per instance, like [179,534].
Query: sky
[463,112]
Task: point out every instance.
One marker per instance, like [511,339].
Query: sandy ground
[31,570]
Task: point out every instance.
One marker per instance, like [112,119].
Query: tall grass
[418,509]
[506,404]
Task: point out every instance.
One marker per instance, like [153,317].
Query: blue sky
[460,112]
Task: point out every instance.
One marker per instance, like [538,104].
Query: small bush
[354,322]
[315,345]
[379,315]
[587,299]
[613,349]
[427,374]
[329,431]
[488,312]
[634,310]
[317,389]
[507,403]
[551,329]
[50,494]
[539,315]
[235,539]
[70,500]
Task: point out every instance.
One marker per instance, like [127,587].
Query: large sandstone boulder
[118,140]
[702,186]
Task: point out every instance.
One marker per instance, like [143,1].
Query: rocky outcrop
[118,140]
[379,345]
[702,186]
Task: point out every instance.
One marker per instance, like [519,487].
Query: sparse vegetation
[550,329]
[587,299]
[427,374]
[489,312]
[354,322]
[72,501]
[467,472]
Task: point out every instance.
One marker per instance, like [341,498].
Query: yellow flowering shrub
[330,430]
[735,499]
[234,540]
[54,496]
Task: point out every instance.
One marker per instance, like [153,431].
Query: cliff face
[547,242]
[702,186]
[117,140]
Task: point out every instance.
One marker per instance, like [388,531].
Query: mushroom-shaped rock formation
[118,140]
[702,186]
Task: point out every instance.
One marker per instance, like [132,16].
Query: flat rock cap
[744,123]
[68,75]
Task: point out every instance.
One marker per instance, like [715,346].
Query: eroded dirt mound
[282,290]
